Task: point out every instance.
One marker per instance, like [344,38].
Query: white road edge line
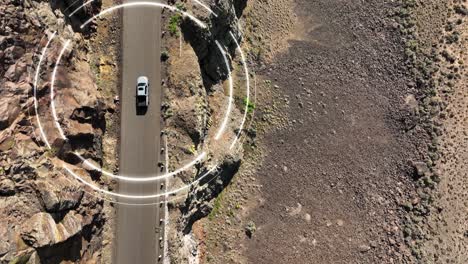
[166,259]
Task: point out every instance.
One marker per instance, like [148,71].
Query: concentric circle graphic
[212,171]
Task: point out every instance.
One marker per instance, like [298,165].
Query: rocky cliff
[221,23]
[46,216]
[194,108]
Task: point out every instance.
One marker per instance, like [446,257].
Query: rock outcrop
[41,230]
[219,29]
[195,108]
[7,187]
[58,195]
[197,203]
[45,216]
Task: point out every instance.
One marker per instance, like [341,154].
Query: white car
[142,91]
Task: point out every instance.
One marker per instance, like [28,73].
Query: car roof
[142,79]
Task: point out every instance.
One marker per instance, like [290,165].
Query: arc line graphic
[133,4]
[142,197]
[143,179]
[247,80]
[206,7]
[80,7]
[36,78]
[110,200]
[89,164]
[52,93]
[242,140]
[116,194]
[228,111]
[154,203]
[213,168]
[90,1]
[71,5]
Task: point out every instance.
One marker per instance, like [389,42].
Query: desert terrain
[350,146]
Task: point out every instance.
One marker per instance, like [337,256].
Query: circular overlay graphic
[212,171]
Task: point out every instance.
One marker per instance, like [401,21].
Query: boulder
[79,130]
[198,205]
[203,40]
[186,119]
[34,259]
[4,248]
[7,187]
[59,196]
[71,225]
[15,71]
[7,143]
[67,100]
[13,53]
[25,146]
[4,245]
[420,169]
[41,230]
[9,111]
[23,86]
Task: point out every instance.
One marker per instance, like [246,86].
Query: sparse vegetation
[167,113]
[181,6]
[52,151]
[249,104]
[217,206]
[164,56]
[432,59]
[175,20]
[174,23]
[192,149]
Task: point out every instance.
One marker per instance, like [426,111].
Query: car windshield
[141,84]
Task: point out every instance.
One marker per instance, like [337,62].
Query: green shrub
[249,104]
[174,23]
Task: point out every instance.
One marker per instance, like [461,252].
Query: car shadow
[141,110]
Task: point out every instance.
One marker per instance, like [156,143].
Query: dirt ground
[333,160]
[333,178]
[357,147]
[446,229]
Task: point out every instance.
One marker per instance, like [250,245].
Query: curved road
[137,227]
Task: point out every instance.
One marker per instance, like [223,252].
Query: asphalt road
[137,238]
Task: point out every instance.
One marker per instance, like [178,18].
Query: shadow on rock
[198,203]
